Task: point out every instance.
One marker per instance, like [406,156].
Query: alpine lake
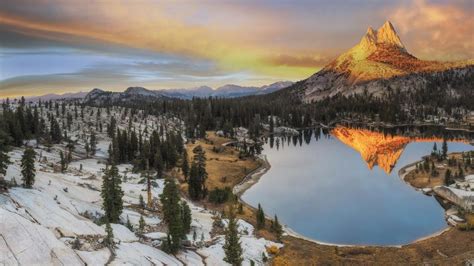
[342,185]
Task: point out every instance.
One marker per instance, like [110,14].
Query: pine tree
[148,189]
[194,188]
[76,244]
[88,149]
[109,238]
[241,208]
[93,143]
[260,217]
[55,131]
[4,158]
[461,172]
[70,148]
[158,163]
[112,195]
[141,201]
[111,127]
[444,149]
[448,179]
[172,216]
[232,247]
[129,224]
[62,161]
[141,225]
[186,216]
[277,228]
[28,170]
[198,175]
[185,165]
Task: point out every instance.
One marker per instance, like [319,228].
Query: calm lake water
[325,190]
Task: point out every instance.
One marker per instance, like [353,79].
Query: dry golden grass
[470,219]
[469,224]
[226,163]
[224,168]
[453,247]
[273,250]
[425,180]
[422,179]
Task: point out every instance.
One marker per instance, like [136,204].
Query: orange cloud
[436,31]
[162,28]
[265,39]
[299,61]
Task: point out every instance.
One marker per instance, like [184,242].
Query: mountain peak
[371,32]
[387,35]
[380,55]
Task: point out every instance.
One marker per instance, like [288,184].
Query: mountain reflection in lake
[342,186]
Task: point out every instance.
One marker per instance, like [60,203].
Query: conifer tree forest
[119,135]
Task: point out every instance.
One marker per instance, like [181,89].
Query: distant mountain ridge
[98,96]
[54,96]
[226,91]
[379,60]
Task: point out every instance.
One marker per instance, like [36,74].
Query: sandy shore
[252,178]
[405,170]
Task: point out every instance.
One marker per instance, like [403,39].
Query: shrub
[273,250]
[220,196]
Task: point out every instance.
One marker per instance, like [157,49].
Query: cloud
[299,61]
[437,30]
[237,36]
[215,41]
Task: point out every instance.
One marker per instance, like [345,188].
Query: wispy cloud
[176,43]
[437,30]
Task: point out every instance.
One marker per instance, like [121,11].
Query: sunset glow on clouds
[59,45]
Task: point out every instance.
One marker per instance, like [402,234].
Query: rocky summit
[380,56]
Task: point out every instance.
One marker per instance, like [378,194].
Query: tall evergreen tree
[62,161]
[444,149]
[448,178]
[141,225]
[172,216]
[128,224]
[87,148]
[28,170]
[109,238]
[158,164]
[185,165]
[4,158]
[141,201]
[277,228]
[93,143]
[112,195]
[186,217]
[232,247]
[260,217]
[55,131]
[198,175]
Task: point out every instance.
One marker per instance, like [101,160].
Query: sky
[58,46]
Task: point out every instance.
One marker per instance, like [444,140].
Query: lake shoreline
[442,247]
[253,178]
